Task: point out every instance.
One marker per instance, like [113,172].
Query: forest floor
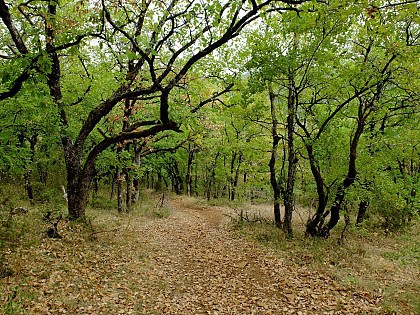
[185,258]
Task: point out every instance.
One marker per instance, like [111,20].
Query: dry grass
[99,262]
[384,264]
[387,266]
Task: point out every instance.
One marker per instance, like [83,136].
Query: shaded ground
[186,263]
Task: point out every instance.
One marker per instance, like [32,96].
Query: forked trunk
[348,180]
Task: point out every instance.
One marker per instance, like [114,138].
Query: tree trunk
[288,198]
[236,178]
[128,191]
[314,223]
[188,178]
[176,179]
[78,182]
[77,201]
[272,164]
[136,180]
[120,191]
[363,205]
[28,169]
[78,178]
[350,177]
[230,177]
[128,110]
[159,182]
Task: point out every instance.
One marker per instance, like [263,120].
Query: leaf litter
[187,263]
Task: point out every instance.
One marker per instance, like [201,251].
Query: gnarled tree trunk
[318,218]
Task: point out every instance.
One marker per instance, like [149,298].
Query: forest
[307,109]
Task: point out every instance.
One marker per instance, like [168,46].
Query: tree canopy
[295,102]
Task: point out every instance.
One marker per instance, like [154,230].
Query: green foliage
[103,203]
[328,52]
[45,194]
[14,302]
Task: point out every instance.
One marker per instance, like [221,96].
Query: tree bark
[351,173]
[78,182]
[312,227]
[27,173]
[188,176]
[236,178]
[120,191]
[363,205]
[136,180]
[78,179]
[128,191]
[288,197]
[272,164]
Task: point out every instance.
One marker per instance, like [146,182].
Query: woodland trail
[187,263]
[204,269]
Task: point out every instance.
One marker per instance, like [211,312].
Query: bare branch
[389,5]
[17,84]
[136,125]
[7,20]
[213,98]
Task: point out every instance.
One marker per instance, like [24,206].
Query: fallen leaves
[185,264]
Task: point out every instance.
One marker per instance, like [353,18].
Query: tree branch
[7,20]
[213,98]
[17,85]
[123,136]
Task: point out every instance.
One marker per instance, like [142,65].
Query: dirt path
[187,263]
[205,270]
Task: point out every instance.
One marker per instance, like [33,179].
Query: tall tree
[157,43]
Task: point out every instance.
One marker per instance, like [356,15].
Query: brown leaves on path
[206,270]
[187,263]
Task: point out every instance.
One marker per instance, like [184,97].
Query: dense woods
[199,111]
[295,102]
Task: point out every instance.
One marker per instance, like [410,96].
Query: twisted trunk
[350,177]
[316,221]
